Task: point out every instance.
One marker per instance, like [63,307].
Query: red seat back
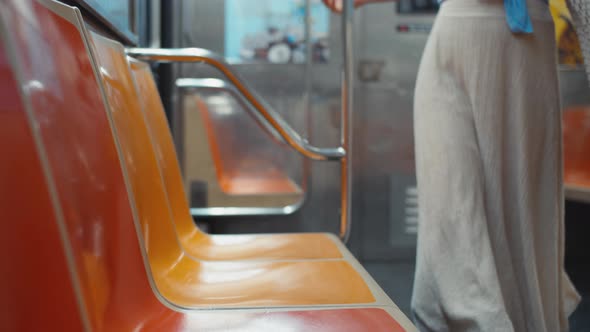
[35,279]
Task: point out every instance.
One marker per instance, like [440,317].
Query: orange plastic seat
[181,278]
[218,247]
[576,145]
[78,220]
[243,175]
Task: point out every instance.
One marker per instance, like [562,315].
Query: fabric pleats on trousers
[487,123]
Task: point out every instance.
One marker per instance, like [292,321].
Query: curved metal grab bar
[214,84]
[228,211]
[275,120]
[233,211]
[341,153]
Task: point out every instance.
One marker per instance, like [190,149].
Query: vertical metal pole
[308,60]
[308,56]
[165,71]
[155,19]
[307,114]
[347,116]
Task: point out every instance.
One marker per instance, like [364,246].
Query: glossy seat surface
[218,247]
[69,115]
[66,163]
[29,241]
[182,278]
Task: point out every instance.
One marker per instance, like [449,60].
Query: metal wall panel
[382,130]
[384,205]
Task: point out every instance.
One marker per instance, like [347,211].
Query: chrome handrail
[225,211]
[341,153]
[214,84]
[281,126]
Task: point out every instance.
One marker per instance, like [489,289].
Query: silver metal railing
[341,153]
[201,55]
[214,84]
[185,86]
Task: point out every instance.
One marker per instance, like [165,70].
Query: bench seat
[110,251]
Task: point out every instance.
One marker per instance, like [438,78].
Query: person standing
[487,126]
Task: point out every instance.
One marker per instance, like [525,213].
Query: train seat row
[91,180]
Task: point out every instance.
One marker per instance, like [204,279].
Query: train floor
[396,279]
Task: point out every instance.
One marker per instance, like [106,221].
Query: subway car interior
[228,165]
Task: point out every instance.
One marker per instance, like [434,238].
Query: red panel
[71,117]
[35,285]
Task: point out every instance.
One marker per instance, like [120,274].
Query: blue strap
[517,16]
